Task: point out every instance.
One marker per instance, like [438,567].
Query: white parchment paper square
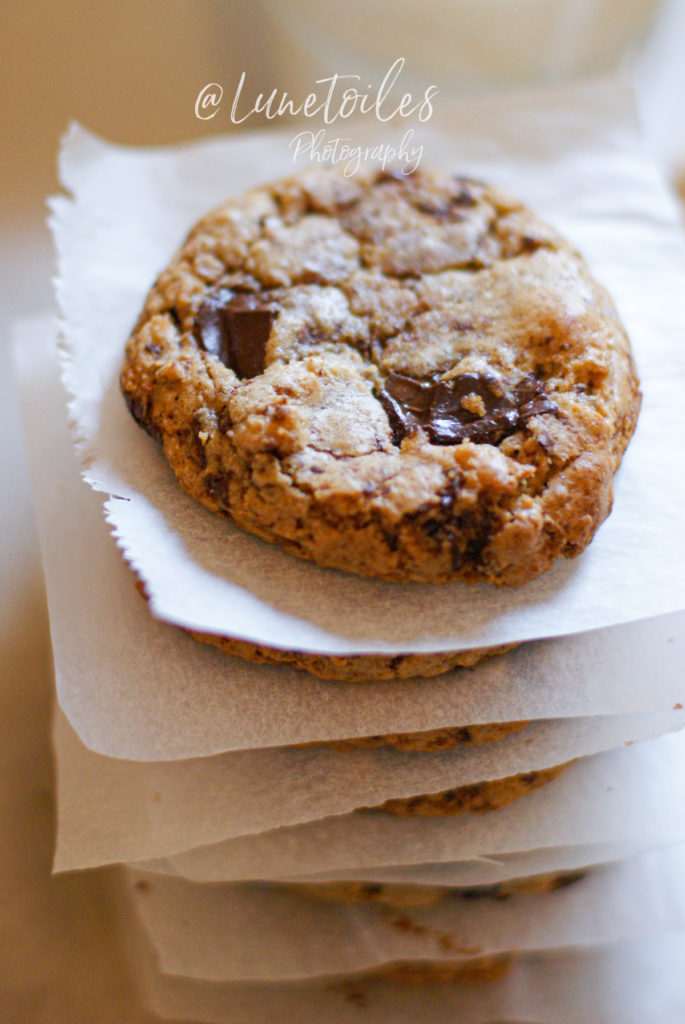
[112,810]
[575,156]
[625,796]
[276,933]
[635,982]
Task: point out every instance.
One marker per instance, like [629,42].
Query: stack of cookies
[348,775]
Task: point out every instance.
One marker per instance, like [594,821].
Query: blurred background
[131,72]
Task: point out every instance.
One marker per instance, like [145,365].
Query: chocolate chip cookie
[353,668]
[412,378]
[432,740]
[414,894]
[479,797]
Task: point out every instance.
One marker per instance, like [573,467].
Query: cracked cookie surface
[410,378]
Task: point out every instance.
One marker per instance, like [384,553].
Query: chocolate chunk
[439,406]
[448,211]
[450,208]
[235,327]
[393,174]
[216,486]
[529,395]
[140,410]
[401,421]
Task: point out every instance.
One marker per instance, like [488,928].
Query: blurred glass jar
[460,45]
